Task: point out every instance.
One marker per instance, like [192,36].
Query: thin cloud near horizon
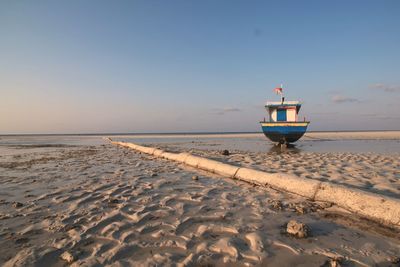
[338,99]
[380,116]
[222,111]
[385,87]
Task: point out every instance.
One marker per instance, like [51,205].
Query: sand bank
[370,135]
[109,205]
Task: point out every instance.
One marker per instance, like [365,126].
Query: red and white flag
[278,90]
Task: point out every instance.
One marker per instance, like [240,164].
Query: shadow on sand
[288,148]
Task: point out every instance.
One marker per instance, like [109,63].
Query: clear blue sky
[170,66]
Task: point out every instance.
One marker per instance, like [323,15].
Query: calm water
[11,145]
[243,143]
[261,144]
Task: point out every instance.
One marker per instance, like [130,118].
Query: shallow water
[248,143]
[11,145]
[255,144]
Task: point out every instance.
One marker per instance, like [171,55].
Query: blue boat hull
[284,132]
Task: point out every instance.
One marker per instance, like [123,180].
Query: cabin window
[281,115]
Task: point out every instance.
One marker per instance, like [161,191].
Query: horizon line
[173,133]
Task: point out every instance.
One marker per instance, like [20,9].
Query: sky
[196,66]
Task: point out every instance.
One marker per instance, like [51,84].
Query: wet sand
[321,142]
[101,204]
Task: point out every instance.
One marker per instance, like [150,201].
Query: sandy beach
[91,203]
[200,133]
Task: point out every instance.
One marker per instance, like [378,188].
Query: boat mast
[279,90]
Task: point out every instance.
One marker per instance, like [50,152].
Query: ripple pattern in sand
[105,205]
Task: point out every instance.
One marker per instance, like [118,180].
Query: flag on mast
[278,90]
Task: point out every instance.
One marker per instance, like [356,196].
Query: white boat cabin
[283,111]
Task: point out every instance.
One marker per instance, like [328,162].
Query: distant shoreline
[182,133]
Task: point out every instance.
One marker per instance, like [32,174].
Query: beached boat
[283,126]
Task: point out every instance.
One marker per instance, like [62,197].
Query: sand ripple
[106,205]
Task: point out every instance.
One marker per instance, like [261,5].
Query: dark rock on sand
[17,205]
[395,260]
[67,256]
[297,229]
[335,263]
[225,152]
[112,200]
[276,204]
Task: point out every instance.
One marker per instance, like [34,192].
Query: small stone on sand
[335,263]
[17,205]
[394,259]
[67,256]
[276,204]
[300,209]
[195,177]
[112,200]
[297,229]
[225,152]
